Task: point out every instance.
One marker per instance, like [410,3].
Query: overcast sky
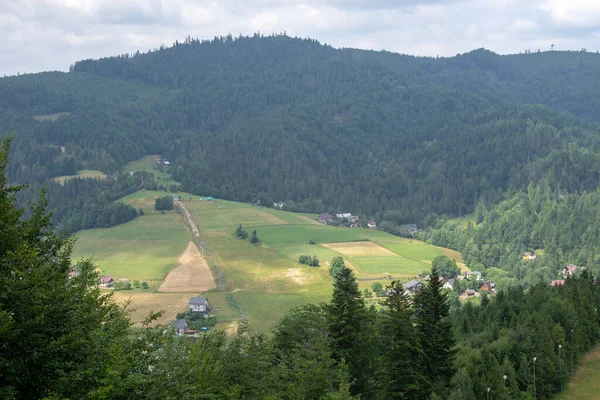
[41,35]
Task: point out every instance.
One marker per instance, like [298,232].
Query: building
[73,274]
[473,275]
[325,218]
[449,284]
[278,205]
[371,224]
[489,287]
[106,281]
[200,304]
[413,287]
[343,215]
[570,270]
[528,256]
[180,326]
[161,161]
[410,229]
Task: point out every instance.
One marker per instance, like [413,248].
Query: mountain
[387,135]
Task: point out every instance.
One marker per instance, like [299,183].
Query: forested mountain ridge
[291,119]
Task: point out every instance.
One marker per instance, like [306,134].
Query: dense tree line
[277,118]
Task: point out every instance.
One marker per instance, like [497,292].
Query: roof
[344,215]
[179,324]
[450,281]
[571,267]
[106,278]
[325,216]
[370,222]
[470,291]
[199,300]
[411,284]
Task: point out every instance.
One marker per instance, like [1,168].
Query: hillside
[260,281]
[279,118]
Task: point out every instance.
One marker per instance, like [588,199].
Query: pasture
[146,163]
[84,173]
[586,382]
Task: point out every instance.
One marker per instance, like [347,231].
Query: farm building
[412,287]
[371,224]
[179,326]
[106,281]
[473,275]
[161,161]
[325,218]
[200,304]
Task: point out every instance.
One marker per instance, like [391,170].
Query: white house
[200,304]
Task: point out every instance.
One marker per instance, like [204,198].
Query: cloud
[43,35]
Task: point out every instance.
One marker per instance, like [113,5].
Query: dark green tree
[446,267]
[434,332]
[337,263]
[254,237]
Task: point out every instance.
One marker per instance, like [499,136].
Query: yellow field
[191,275]
[84,173]
[359,249]
[143,303]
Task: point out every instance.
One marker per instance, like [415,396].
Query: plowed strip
[192,274]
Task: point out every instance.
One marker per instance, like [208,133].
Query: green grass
[84,173]
[260,281]
[143,249]
[146,163]
[586,382]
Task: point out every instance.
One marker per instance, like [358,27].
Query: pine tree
[254,237]
[346,319]
[398,346]
[434,331]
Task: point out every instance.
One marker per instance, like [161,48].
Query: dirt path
[192,274]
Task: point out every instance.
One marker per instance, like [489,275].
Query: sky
[43,35]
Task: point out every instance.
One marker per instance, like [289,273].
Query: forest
[60,337]
[397,138]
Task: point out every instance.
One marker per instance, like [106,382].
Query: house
[470,293]
[106,281]
[528,256]
[200,304]
[413,286]
[449,284]
[473,275]
[180,326]
[354,218]
[161,161]
[411,229]
[343,215]
[371,224]
[557,282]
[278,205]
[73,274]
[570,270]
[489,287]
[325,218]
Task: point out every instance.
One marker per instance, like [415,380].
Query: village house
[179,326]
[413,287]
[410,229]
[489,287]
[570,270]
[279,205]
[470,293]
[371,224]
[73,274]
[469,275]
[449,284]
[325,219]
[106,281]
[200,304]
[161,161]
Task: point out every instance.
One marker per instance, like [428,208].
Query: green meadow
[586,382]
[84,173]
[258,281]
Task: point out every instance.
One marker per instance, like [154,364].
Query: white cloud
[43,35]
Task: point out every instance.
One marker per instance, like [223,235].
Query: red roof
[571,267]
[557,282]
[106,278]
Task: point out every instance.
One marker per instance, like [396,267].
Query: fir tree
[434,331]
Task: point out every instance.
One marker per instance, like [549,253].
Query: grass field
[84,173]
[586,382]
[260,282]
[146,163]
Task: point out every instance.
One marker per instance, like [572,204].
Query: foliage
[311,261]
[123,286]
[254,237]
[446,267]
[337,263]
[163,203]
[241,233]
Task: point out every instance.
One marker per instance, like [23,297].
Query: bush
[254,238]
[145,285]
[136,284]
[241,233]
[311,242]
[308,260]
[122,286]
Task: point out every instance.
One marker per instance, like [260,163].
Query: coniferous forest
[491,155]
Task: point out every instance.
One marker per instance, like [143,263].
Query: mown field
[257,281]
[586,382]
[84,173]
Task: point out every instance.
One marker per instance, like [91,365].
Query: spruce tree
[398,346]
[434,331]
[346,320]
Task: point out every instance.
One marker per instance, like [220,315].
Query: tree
[346,323]
[254,237]
[337,263]
[54,331]
[367,293]
[446,267]
[402,357]
[434,331]
[241,233]
[145,285]
[377,287]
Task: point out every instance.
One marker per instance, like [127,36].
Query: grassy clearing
[143,249]
[143,303]
[146,163]
[51,117]
[84,173]
[586,382]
